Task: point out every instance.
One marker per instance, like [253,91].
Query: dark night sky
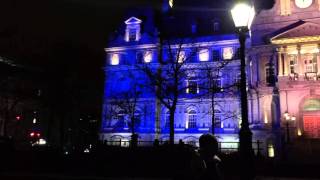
[33,31]
[64,35]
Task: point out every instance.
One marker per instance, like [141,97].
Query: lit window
[115,59]
[227,53]
[204,55]
[147,56]
[192,119]
[310,63]
[293,63]
[181,56]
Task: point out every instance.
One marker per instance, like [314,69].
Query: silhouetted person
[207,166]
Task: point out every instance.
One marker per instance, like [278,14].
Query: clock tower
[284,13]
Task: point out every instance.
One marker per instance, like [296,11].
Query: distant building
[282,71]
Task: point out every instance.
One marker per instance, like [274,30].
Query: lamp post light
[242,15]
[288,118]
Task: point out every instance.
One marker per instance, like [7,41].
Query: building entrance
[311,125]
[311,118]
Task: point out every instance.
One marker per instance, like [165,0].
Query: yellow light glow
[204,55]
[171,3]
[266,118]
[187,124]
[295,40]
[299,132]
[181,56]
[242,15]
[147,57]
[227,53]
[270,151]
[115,59]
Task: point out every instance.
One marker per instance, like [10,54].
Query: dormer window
[216,26]
[133,29]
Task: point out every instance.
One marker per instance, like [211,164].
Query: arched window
[192,119]
[120,119]
[137,118]
[167,120]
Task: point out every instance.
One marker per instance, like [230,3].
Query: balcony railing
[308,76]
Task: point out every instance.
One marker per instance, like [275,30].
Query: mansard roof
[175,24]
[298,32]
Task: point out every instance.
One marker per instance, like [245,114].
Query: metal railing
[224,147]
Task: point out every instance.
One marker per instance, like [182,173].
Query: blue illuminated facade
[202,42]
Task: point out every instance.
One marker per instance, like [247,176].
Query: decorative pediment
[297,33]
[133,20]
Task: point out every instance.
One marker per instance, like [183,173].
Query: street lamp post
[288,118]
[243,14]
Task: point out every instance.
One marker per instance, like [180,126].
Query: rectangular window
[215,55]
[217,83]
[192,87]
[293,62]
[310,63]
[270,76]
[217,121]
[132,35]
[139,57]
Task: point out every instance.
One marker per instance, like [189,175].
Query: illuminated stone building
[285,42]
[283,65]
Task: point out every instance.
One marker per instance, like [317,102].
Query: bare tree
[126,101]
[168,76]
[210,76]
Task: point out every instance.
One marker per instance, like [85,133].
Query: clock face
[303,3]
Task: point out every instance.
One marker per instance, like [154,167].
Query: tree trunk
[171,140]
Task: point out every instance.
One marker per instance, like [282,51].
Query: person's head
[208,145]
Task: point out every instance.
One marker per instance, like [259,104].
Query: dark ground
[140,163]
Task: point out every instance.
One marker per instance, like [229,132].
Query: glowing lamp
[115,59]
[18,118]
[293,118]
[38,134]
[242,15]
[204,55]
[147,57]
[270,151]
[299,132]
[171,3]
[32,134]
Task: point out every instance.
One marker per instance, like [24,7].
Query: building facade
[282,72]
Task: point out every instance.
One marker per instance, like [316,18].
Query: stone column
[318,59]
[285,62]
[280,62]
[300,62]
